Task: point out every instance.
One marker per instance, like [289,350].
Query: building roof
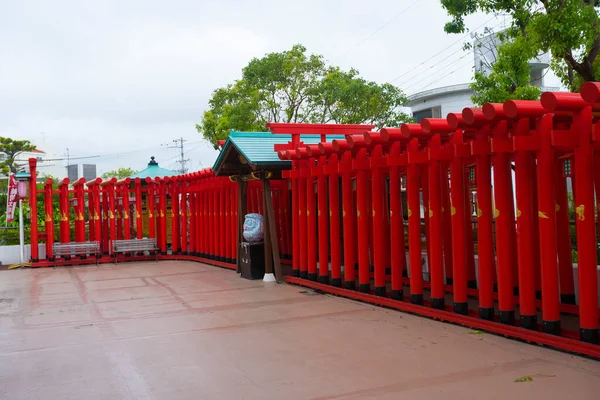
[257,150]
[153,171]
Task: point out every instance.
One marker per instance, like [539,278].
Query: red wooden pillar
[311,223]
[323,221]
[334,220]
[424,175]
[109,193]
[414,226]
[63,201]
[175,217]
[379,224]
[184,217]
[447,226]
[348,221]
[234,222]
[126,207]
[458,215]
[296,211]
[139,229]
[202,218]
[504,221]
[485,235]
[33,209]
[211,225]
[284,205]
[547,218]
[79,210]
[227,222]
[192,211]
[95,211]
[276,196]
[469,243]
[221,219]
[565,257]
[398,251]
[302,221]
[436,267]
[150,203]
[361,165]
[49,219]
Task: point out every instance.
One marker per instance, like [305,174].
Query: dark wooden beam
[267,223]
[270,213]
[242,209]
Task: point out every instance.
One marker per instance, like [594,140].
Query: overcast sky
[103,77]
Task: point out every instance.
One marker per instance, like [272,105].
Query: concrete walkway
[179,330]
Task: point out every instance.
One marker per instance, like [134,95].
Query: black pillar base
[304,274]
[552,327]
[350,285]
[588,335]
[34,260]
[486,313]
[51,259]
[337,282]
[438,304]
[163,253]
[397,295]
[568,299]
[295,273]
[472,284]
[364,287]
[461,308]
[416,299]
[312,277]
[324,280]
[507,317]
[529,322]
[380,291]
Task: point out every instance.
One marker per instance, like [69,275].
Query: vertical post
[563,235]
[97,212]
[175,217]
[241,214]
[110,192]
[436,268]
[586,227]
[379,220]
[323,225]
[362,193]
[192,211]
[311,224]
[184,218]
[150,208]
[302,223]
[547,227]
[49,219]
[33,209]
[268,239]
[414,227]
[211,224]
[272,232]
[21,233]
[227,223]
[126,205]
[334,223]
[221,218]
[348,222]
[504,219]
[457,212]
[485,235]
[447,224]
[63,199]
[138,209]
[525,243]
[295,222]
[398,251]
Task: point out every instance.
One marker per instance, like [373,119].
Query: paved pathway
[179,330]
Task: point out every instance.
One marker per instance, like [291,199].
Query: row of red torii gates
[339,216]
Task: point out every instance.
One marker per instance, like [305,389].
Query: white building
[438,102]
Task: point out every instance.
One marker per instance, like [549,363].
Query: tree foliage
[11,149]
[293,86]
[120,173]
[509,78]
[568,29]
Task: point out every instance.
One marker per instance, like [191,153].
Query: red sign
[11,201]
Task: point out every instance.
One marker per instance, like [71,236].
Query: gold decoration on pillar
[358,213]
[542,215]
[63,217]
[479,212]
[580,211]
[409,212]
[496,213]
[96,216]
[556,208]
[125,215]
[518,213]
[373,213]
[48,217]
[111,215]
[343,213]
[80,217]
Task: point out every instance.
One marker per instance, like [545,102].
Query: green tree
[11,149]
[568,29]
[293,86]
[120,173]
[509,78]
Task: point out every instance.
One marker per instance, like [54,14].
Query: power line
[441,51]
[376,31]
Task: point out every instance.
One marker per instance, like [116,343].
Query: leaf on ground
[476,332]
[524,379]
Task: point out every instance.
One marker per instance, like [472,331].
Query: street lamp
[22,179]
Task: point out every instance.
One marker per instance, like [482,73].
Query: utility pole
[179,145]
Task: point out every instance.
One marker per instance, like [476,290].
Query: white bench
[76,249]
[135,246]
